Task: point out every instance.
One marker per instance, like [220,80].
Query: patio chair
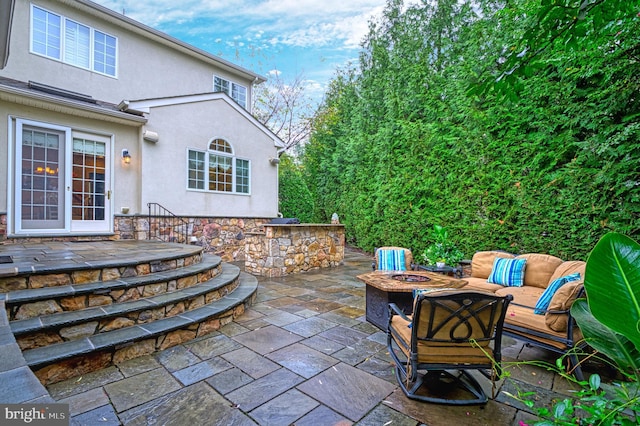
[449,333]
[392,259]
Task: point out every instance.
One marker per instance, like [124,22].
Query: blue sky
[311,38]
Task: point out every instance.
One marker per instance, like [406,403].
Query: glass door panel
[89,187]
[41,168]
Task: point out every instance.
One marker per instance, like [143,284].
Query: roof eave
[69,106]
[146,105]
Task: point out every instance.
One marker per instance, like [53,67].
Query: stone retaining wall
[287,249]
[94,361]
[138,317]
[222,236]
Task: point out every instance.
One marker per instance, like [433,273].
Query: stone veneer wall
[286,249]
[222,236]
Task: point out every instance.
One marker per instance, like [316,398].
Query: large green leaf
[612,283]
[603,339]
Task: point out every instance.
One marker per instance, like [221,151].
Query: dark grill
[285,221]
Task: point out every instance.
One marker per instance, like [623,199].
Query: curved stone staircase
[72,317]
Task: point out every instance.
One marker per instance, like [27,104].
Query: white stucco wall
[147,68]
[193,125]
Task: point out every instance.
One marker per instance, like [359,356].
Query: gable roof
[143,106]
[139,28]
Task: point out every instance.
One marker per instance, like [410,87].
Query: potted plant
[442,251]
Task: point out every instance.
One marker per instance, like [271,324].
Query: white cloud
[303,23]
[289,37]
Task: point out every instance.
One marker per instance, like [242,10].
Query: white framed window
[104,53]
[196,166]
[237,92]
[217,169]
[46,28]
[76,44]
[57,37]
[242,176]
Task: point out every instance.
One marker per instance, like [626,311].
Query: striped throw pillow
[545,298]
[508,272]
[391,260]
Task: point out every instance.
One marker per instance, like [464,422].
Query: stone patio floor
[303,354]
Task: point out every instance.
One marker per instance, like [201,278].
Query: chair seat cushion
[436,352]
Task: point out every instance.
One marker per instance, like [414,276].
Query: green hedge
[413,136]
[295,199]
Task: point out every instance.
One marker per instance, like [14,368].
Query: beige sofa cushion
[481,284]
[562,301]
[540,267]
[524,296]
[482,262]
[525,319]
[569,267]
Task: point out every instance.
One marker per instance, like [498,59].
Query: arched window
[217,169]
[220,145]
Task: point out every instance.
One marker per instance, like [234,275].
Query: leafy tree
[543,158]
[284,108]
[294,197]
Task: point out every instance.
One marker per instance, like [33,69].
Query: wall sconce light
[274,161]
[126,157]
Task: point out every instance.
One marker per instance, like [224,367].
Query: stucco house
[101,115]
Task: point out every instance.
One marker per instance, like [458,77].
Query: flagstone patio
[303,354]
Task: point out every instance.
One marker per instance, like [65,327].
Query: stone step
[60,361]
[18,384]
[56,264]
[67,325]
[23,304]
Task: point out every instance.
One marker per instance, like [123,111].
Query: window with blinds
[63,39]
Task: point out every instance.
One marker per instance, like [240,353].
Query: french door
[90,188]
[62,180]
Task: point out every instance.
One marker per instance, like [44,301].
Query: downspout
[6,18]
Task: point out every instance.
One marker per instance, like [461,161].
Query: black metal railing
[166,226]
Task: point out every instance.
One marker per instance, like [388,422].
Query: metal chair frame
[470,319]
[571,348]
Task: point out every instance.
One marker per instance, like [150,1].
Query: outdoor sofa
[534,279]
